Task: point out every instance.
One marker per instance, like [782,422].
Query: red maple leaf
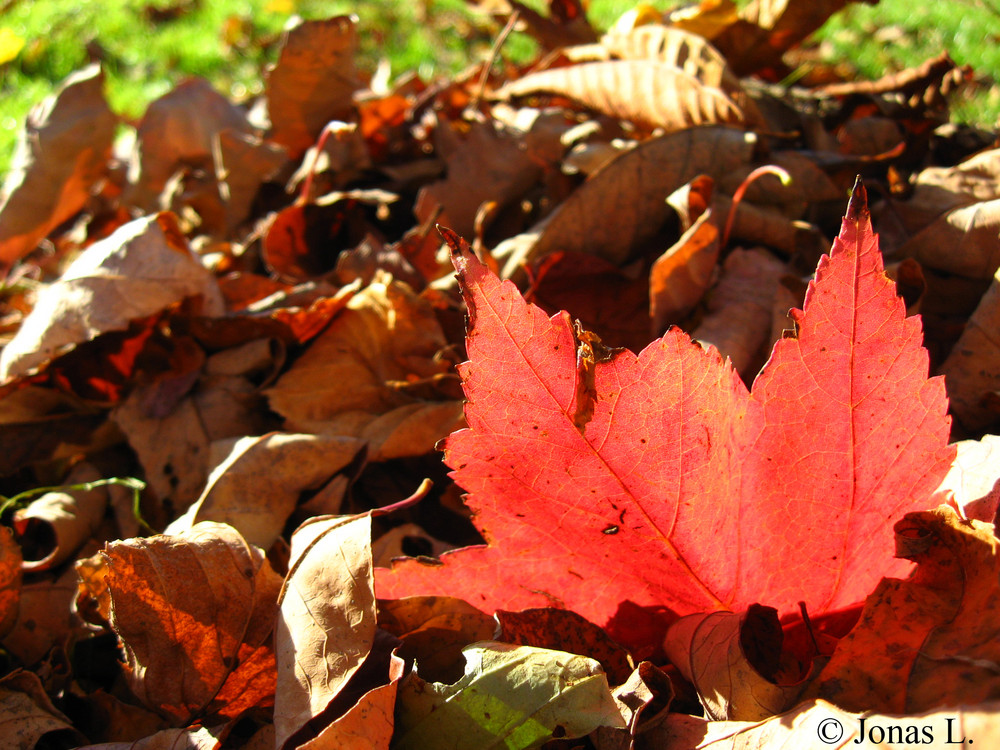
[618,485]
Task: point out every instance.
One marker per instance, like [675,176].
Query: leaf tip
[857,207]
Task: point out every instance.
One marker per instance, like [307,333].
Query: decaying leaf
[62,153]
[139,270]
[511,696]
[929,641]
[10,580]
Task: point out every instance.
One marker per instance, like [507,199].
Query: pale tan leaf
[62,153]
[708,650]
[313,81]
[369,723]
[676,47]
[139,270]
[648,93]
[631,188]
[257,487]
[963,241]
[974,478]
[817,724]
[326,626]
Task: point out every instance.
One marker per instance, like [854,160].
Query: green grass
[230,41]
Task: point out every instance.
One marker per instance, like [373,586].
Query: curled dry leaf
[511,696]
[710,651]
[177,132]
[243,162]
[679,278]
[650,94]
[139,270]
[257,487]
[963,241]
[631,188]
[313,81]
[931,640]
[194,613]
[62,153]
[373,374]
[326,625]
[56,524]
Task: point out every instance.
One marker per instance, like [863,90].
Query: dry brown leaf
[709,649]
[326,626]
[974,478]
[963,241]
[930,640]
[45,616]
[631,188]
[27,715]
[367,374]
[139,270]
[818,724]
[650,94]
[56,524]
[63,151]
[489,164]
[243,162]
[738,322]
[194,613]
[177,132]
[643,700]
[679,278]
[257,487]
[972,369]
[10,580]
[313,81]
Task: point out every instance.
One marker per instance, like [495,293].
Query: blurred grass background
[146,46]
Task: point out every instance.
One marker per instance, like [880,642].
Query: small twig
[494,54]
[808,624]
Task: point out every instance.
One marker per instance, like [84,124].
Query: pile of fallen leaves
[662,511]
